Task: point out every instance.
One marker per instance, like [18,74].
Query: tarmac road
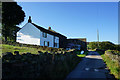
[91,67]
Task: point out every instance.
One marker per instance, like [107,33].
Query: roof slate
[48,31]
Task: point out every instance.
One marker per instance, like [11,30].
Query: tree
[105,45]
[93,45]
[0,21]
[12,15]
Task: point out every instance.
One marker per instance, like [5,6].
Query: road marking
[87,69]
[96,70]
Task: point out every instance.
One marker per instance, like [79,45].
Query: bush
[104,46]
[100,51]
[93,45]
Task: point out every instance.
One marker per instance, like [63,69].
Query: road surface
[91,67]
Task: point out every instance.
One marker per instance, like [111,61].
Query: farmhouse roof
[49,31]
[82,39]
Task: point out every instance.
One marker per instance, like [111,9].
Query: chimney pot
[49,28]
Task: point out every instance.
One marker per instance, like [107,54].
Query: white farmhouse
[33,34]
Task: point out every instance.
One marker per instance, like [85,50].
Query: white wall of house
[49,38]
[29,34]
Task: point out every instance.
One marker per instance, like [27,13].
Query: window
[46,43]
[56,41]
[55,44]
[44,35]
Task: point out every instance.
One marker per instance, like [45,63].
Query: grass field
[82,55]
[10,48]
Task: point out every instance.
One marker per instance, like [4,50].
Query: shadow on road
[92,67]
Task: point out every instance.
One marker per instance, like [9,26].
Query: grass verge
[83,55]
[112,65]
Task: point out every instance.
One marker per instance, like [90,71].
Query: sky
[65,0]
[76,19]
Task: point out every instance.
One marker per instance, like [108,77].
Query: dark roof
[48,31]
[82,39]
[52,30]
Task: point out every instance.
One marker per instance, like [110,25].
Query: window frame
[46,43]
[44,34]
[56,41]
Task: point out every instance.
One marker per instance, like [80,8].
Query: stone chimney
[29,20]
[49,28]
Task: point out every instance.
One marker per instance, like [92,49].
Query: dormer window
[44,35]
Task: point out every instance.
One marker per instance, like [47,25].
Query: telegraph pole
[98,37]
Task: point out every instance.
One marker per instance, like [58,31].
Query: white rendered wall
[29,34]
[49,38]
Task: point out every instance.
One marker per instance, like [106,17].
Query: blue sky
[76,19]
